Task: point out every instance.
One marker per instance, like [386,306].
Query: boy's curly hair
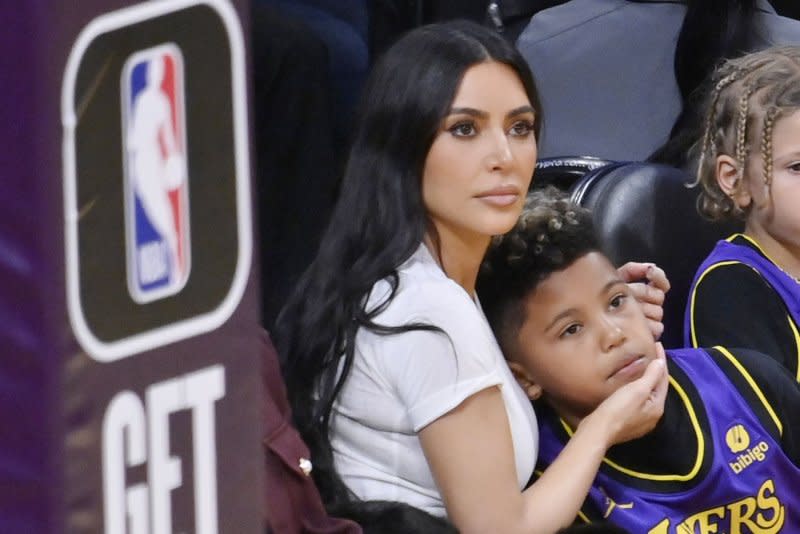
[550,235]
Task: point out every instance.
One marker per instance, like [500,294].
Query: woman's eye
[521,129]
[463,129]
[795,167]
[571,330]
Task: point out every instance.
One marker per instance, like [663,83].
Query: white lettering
[133,436]
[124,432]
[152,262]
[163,470]
[755,454]
[203,389]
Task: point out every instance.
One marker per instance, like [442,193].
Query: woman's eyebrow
[468,111]
[521,110]
[482,114]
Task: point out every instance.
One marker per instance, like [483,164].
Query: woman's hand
[634,409]
[648,284]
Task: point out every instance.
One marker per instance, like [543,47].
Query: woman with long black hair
[394,376]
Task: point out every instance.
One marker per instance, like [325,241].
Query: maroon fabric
[293,503]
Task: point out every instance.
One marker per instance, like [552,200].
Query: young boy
[723,458]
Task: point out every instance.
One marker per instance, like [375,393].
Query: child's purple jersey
[725,251]
[751,486]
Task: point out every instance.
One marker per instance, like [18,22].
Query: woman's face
[480,164]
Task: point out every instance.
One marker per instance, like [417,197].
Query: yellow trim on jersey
[796,344]
[789,317]
[694,294]
[792,324]
[666,478]
[754,243]
[753,385]
[694,289]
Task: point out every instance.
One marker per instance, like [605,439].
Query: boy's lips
[630,366]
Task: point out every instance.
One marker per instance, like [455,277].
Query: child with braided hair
[749,168]
[724,455]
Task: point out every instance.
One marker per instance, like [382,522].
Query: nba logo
[156,179]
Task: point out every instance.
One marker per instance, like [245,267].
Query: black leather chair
[562,172]
[645,212]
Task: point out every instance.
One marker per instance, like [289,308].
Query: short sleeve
[435,371]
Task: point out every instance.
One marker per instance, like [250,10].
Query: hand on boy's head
[648,284]
[654,275]
[654,313]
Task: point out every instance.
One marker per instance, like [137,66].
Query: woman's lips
[500,196]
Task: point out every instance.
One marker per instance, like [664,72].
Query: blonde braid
[710,118]
[766,142]
[741,127]
[767,87]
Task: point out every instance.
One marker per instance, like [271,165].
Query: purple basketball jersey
[725,251]
[750,486]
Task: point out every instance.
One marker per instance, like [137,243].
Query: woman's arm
[471,455]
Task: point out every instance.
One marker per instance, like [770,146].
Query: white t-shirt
[400,383]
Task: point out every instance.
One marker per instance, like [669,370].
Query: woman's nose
[500,155]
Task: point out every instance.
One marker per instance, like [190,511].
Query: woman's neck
[459,257]
[782,254]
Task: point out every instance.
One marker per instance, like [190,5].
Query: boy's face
[583,337]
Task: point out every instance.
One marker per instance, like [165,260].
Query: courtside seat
[562,172]
[646,212]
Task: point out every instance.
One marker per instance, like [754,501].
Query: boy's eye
[463,129]
[570,330]
[521,128]
[617,301]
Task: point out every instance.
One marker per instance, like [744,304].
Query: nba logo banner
[156,175]
[156,184]
[158,419]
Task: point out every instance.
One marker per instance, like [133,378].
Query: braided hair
[748,95]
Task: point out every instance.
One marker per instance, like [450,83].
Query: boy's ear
[728,177]
[526,382]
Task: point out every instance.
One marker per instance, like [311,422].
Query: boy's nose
[613,336]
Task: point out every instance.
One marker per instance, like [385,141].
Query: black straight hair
[379,219]
[712,31]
